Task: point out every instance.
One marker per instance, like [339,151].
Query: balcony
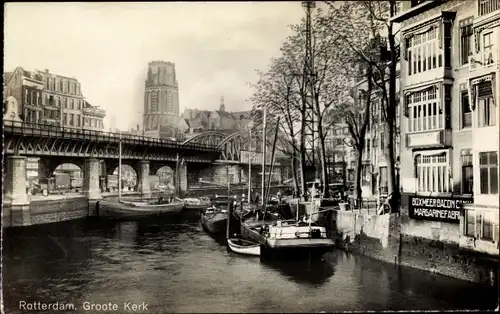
[429,139]
[485,7]
[483,63]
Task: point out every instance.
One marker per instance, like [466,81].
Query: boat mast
[250,126]
[263,156]
[120,167]
[272,161]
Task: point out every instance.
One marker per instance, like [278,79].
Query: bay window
[424,111]
[423,51]
[432,173]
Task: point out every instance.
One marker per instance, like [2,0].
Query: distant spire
[222,107]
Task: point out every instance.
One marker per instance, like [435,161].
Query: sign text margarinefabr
[446,209]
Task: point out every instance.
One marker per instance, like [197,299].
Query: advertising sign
[445,209]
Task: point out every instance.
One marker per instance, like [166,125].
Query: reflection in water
[172,265]
[314,272]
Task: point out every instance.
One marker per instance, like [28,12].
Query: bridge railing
[81,133]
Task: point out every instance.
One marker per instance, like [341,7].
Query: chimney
[46,70]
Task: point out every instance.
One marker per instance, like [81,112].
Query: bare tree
[361,24]
[275,90]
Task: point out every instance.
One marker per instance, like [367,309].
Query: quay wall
[45,211]
[401,240]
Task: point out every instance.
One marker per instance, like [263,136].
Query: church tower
[161,95]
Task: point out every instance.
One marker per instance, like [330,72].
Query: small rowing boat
[244,247]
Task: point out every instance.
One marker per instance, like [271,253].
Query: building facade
[47,98]
[161,95]
[93,117]
[338,153]
[450,118]
[200,121]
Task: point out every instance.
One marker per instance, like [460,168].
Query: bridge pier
[91,179]
[15,192]
[183,181]
[143,183]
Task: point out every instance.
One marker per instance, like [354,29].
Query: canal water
[173,266]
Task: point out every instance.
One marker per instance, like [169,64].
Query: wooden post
[229,213]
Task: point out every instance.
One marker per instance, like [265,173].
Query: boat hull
[289,248]
[215,224]
[136,209]
[252,249]
[196,206]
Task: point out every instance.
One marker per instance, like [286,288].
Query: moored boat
[131,209]
[196,203]
[244,247]
[214,219]
[283,236]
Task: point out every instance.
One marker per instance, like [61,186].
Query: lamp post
[250,126]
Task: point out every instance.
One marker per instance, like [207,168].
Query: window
[466,43]
[425,112]
[423,52]
[78,104]
[77,121]
[154,102]
[65,119]
[382,144]
[432,173]
[86,121]
[170,105]
[488,48]
[466,112]
[26,96]
[487,225]
[467,172]
[77,89]
[488,172]
[486,112]
[383,177]
[471,223]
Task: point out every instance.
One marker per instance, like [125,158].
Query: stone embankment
[394,238]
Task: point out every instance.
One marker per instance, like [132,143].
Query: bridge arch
[207,138]
[233,144]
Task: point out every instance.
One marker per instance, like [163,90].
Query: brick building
[449,123]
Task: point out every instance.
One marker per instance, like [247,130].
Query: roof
[225,114]
[6,76]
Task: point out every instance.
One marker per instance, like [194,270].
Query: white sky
[216,48]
